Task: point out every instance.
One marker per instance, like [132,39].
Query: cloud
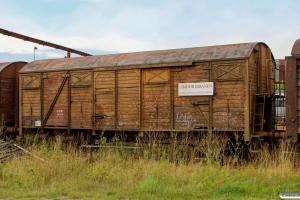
[127,26]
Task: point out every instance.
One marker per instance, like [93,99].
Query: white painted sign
[196,89]
[38,123]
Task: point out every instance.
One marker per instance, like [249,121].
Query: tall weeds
[280,156]
[156,169]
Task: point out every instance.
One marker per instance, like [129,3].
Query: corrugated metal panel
[132,60]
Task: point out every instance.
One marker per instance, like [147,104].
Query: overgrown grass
[154,172]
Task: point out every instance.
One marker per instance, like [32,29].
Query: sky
[102,27]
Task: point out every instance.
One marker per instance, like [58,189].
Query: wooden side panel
[253,84]
[228,107]
[128,102]
[188,111]
[81,78]
[105,96]
[229,99]
[263,54]
[59,114]
[156,99]
[81,107]
[30,97]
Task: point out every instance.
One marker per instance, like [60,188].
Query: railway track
[8,151]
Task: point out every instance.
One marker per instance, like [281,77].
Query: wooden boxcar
[226,88]
[9,95]
[292,85]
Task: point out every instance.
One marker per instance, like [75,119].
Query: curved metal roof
[147,58]
[296,48]
[5,64]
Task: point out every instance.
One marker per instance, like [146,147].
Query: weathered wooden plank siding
[30,97]
[229,98]
[128,101]
[186,115]
[156,99]
[59,113]
[81,107]
[228,114]
[31,109]
[264,53]
[253,84]
[105,94]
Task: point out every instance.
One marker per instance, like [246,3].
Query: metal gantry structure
[42,42]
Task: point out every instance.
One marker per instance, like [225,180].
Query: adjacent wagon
[292,83]
[9,95]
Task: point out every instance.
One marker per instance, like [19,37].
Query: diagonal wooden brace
[54,101]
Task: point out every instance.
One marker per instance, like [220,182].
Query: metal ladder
[258,115]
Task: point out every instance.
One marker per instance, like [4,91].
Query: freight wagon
[292,84]
[225,88]
[9,95]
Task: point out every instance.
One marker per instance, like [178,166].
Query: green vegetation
[280,86]
[153,172]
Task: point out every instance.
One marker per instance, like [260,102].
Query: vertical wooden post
[20,104]
[69,103]
[116,99]
[42,101]
[141,99]
[172,99]
[247,136]
[210,123]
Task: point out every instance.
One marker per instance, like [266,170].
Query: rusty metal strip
[54,101]
[41,42]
